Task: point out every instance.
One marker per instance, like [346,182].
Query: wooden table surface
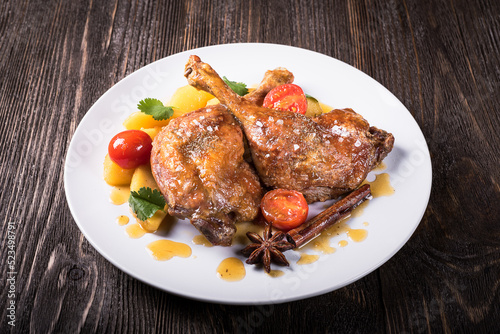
[440,58]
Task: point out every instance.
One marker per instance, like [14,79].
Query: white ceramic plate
[392,220]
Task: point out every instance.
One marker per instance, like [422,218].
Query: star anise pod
[268,249]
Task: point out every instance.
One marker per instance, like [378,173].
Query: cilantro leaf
[145,202]
[155,108]
[238,87]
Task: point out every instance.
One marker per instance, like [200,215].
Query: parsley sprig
[238,87]
[145,202]
[155,108]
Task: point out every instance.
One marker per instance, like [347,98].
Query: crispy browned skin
[197,161]
[321,157]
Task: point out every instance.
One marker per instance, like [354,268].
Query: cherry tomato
[286,97]
[130,148]
[285,209]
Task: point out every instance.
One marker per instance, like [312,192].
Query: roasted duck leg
[197,162]
[322,157]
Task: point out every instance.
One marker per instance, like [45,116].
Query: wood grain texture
[440,58]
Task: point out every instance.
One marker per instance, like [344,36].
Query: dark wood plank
[440,58]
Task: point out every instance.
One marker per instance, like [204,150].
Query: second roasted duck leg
[198,163]
[322,157]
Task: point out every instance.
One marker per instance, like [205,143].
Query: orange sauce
[381,186]
[122,220]
[231,269]
[201,240]
[119,195]
[357,235]
[135,231]
[307,259]
[163,250]
[322,244]
[276,273]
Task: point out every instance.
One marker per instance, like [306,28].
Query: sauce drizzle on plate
[163,250]
[231,269]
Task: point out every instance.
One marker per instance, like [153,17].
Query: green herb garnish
[155,108]
[238,87]
[145,202]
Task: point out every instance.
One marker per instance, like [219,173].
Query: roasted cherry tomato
[130,148]
[286,97]
[285,209]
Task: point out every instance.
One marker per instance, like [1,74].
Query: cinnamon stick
[340,209]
